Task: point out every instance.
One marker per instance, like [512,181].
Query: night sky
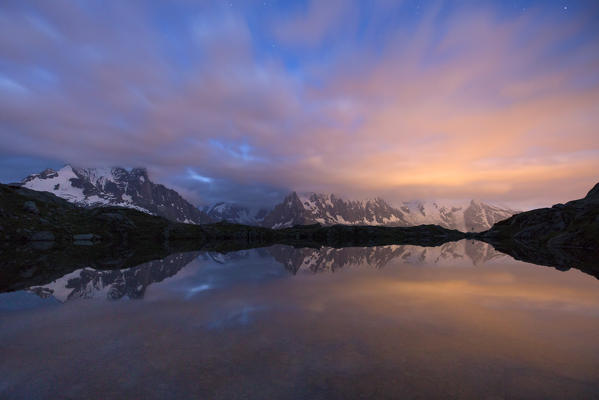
[246,100]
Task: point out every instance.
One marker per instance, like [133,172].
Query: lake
[459,320]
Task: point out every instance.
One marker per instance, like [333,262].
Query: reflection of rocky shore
[114,284]
[561,258]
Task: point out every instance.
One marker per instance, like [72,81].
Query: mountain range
[120,187]
[235,213]
[92,187]
[328,209]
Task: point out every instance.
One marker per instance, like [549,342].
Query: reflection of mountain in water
[114,284]
[331,259]
[226,258]
[220,270]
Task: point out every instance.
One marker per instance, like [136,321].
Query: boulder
[83,243]
[42,236]
[112,216]
[86,236]
[31,207]
[117,219]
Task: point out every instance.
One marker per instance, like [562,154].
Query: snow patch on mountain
[57,182]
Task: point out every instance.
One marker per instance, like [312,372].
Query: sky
[245,101]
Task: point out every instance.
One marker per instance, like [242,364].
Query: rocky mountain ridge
[93,187]
[328,209]
[235,213]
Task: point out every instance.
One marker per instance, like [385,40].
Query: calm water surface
[456,321]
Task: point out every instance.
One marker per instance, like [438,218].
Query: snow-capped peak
[329,209]
[234,213]
[115,187]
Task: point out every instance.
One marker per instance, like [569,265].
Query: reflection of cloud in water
[198,289]
[213,271]
[231,316]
